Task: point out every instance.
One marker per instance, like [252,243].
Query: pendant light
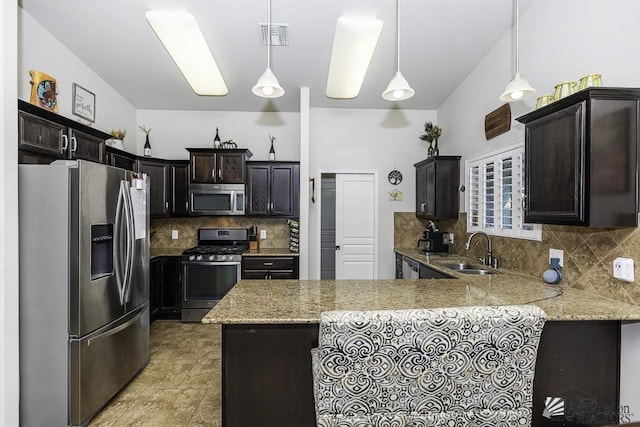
[268,86]
[398,88]
[518,88]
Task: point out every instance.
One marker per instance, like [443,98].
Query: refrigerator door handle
[117,247]
[118,328]
[131,240]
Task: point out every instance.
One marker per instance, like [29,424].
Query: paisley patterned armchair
[468,366]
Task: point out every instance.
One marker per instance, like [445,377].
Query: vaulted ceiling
[441,42]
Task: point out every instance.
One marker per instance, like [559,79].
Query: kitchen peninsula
[268,329]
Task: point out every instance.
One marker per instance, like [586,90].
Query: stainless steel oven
[205,283]
[211,269]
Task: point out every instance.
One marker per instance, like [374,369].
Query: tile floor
[179,387]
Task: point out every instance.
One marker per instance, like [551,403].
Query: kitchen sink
[475,271]
[466,268]
[459,266]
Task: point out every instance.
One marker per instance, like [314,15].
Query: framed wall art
[84,103]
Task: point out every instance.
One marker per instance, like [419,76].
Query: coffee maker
[435,241]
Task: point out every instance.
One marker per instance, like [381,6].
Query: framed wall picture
[84,103]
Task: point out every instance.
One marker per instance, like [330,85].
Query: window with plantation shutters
[495,188]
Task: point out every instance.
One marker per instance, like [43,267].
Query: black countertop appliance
[435,242]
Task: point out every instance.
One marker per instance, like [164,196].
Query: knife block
[254,243]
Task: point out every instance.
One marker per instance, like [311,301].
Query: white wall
[9,379]
[381,140]
[172,131]
[559,40]
[39,50]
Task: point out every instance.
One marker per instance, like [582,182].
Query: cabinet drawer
[268,263]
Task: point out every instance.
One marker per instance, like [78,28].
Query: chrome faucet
[489,260]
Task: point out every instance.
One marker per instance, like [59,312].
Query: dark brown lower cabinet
[267,380]
[266,375]
[165,287]
[270,267]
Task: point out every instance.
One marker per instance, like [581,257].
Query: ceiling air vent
[279,34]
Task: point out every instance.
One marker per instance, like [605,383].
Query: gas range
[212,253]
[211,269]
[218,245]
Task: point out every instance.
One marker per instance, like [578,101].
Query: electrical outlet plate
[623,269]
[557,253]
[174,234]
[451,238]
[263,234]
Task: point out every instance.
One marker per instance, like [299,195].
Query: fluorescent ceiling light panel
[353,45]
[181,36]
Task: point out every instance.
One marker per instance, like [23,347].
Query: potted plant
[117,140]
[431,133]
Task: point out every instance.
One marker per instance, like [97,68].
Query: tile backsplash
[277,230]
[588,252]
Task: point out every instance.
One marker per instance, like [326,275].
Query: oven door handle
[212,263]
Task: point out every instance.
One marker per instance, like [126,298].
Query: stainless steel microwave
[216,199]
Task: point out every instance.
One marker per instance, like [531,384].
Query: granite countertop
[302,301]
[156,252]
[271,252]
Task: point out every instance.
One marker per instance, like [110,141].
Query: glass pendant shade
[268,86]
[398,89]
[517,89]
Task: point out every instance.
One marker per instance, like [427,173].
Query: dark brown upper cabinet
[120,159]
[158,172]
[218,166]
[51,136]
[179,186]
[581,160]
[273,189]
[437,183]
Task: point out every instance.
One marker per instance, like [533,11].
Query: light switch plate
[557,253]
[174,234]
[623,269]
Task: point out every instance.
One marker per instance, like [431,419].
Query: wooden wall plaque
[497,122]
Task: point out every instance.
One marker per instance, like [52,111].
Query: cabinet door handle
[65,142]
[186,205]
[267,263]
[75,144]
[524,204]
[337,247]
[166,205]
[213,174]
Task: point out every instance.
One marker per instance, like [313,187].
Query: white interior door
[356,226]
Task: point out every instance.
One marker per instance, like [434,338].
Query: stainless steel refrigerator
[84,288]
